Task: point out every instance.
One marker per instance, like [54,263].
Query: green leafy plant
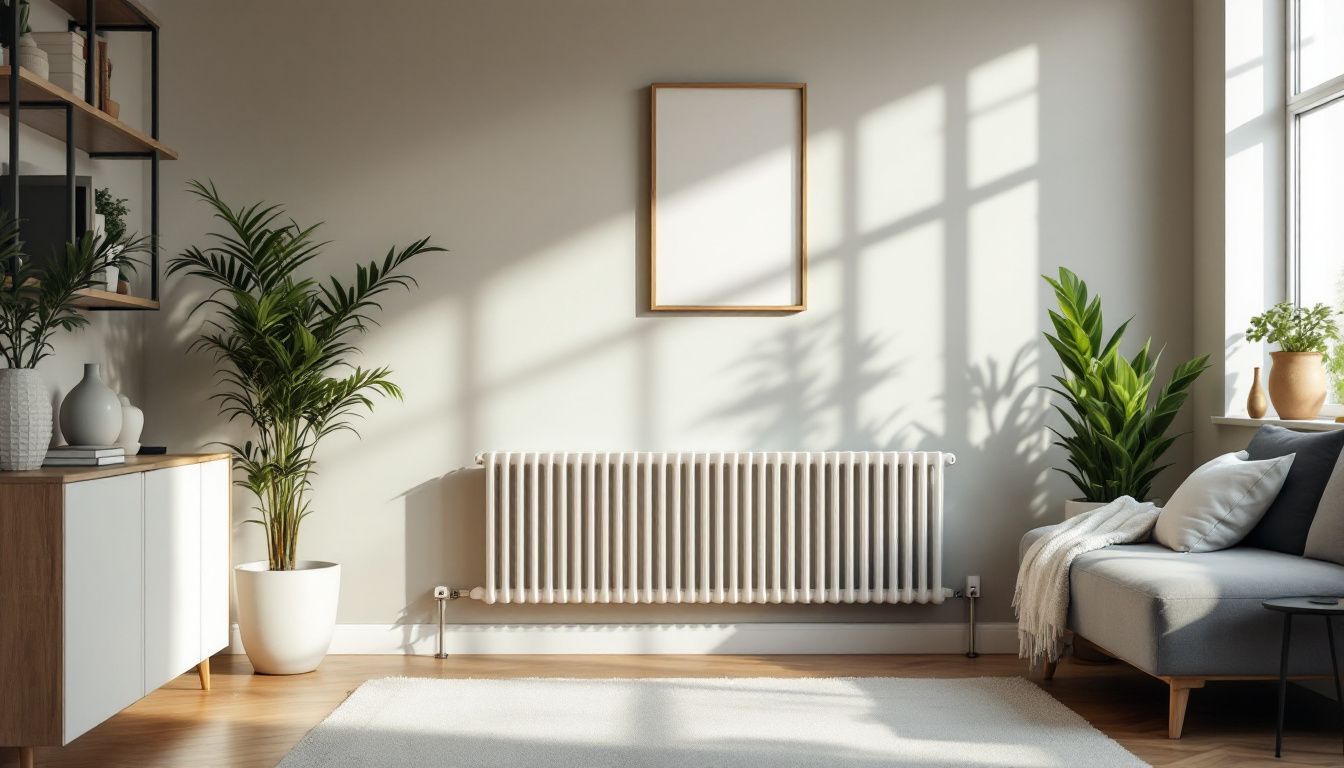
[39,299]
[113,210]
[23,20]
[1296,329]
[1116,424]
[284,344]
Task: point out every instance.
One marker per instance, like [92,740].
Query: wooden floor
[252,720]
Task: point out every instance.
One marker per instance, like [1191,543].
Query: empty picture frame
[727,197]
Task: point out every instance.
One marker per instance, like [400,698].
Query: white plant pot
[286,618]
[1075,507]
[25,419]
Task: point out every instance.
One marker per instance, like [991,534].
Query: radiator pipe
[442,595]
[439,652]
[970,601]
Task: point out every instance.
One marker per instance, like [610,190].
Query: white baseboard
[791,638]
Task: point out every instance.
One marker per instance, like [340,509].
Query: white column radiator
[719,527]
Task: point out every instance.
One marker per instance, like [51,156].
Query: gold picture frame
[755,216]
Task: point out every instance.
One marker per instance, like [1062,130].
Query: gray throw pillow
[1286,523]
[1325,540]
[1219,503]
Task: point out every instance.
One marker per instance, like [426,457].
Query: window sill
[1307,425]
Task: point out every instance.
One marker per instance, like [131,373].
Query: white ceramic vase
[132,424]
[25,419]
[91,413]
[286,618]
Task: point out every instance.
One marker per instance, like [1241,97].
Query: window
[1316,153]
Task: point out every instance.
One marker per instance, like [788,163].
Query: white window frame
[1299,105]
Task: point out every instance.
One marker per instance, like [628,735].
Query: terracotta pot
[1297,384]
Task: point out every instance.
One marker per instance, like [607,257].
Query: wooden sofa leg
[1180,697]
[1048,670]
[203,669]
[26,757]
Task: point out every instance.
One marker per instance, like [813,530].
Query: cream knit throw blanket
[1041,598]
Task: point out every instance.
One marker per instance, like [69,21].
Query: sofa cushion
[1325,540]
[1286,523]
[1219,503]
[1176,613]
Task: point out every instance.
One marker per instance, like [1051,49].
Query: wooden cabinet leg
[26,757]
[1180,697]
[203,669]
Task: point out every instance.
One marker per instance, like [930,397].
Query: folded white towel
[1041,597]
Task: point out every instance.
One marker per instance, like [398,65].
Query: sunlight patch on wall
[773,383]
[900,159]
[1003,268]
[1002,134]
[541,312]
[904,374]
[1245,96]
[826,198]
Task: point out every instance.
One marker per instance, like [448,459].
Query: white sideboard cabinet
[113,581]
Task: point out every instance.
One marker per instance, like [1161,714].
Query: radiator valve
[973,586]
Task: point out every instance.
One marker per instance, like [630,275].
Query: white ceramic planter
[25,419]
[286,618]
[1075,507]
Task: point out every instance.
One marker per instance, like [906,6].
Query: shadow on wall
[948,167]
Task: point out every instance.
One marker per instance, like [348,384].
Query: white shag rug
[688,722]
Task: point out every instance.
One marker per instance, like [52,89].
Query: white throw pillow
[1219,503]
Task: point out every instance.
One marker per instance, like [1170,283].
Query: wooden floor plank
[252,720]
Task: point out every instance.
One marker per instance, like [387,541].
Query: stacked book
[85,456]
[65,56]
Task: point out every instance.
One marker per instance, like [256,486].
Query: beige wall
[957,149]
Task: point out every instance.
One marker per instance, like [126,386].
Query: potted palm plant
[284,344]
[1116,425]
[37,300]
[1297,381]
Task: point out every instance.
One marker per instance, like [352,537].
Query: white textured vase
[91,413]
[132,424]
[286,618]
[33,58]
[25,419]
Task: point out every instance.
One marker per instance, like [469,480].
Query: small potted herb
[1297,382]
[114,211]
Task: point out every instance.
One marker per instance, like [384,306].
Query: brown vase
[1297,384]
[1256,404]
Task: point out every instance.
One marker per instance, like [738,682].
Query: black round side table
[1294,606]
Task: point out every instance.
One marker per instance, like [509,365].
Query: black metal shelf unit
[131,19]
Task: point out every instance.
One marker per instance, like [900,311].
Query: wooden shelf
[96,299]
[110,13]
[95,130]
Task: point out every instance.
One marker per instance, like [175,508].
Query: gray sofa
[1190,618]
